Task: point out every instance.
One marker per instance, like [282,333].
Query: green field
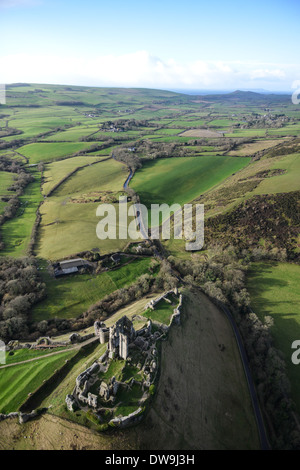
[47,152]
[247,133]
[293,129]
[56,171]
[20,355]
[202,393]
[73,134]
[109,175]
[180,180]
[69,296]
[162,312]
[16,382]
[36,121]
[289,181]
[166,132]
[16,232]
[68,228]
[274,290]
[6,180]
[69,218]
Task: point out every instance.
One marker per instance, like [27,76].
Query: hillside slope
[202,400]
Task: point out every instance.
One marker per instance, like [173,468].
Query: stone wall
[177,312]
[155,301]
[86,375]
[23,417]
[125,421]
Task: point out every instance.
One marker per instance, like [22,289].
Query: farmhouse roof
[72,263]
[70,270]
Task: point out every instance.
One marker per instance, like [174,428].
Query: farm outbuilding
[70,266]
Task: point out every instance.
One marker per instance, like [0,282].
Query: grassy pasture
[180,180]
[56,171]
[73,134]
[173,138]
[46,152]
[50,117]
[19,380]
[6,180]
[289,181]
[35,121]
[109,175]
[184,122]
[247,133]
[274,290]
[25,354]
[68,228]
[244,184]
[167,131]
[16,232]
[72,295]
[161,313]
[221,122]
[253,147]
[162,122]
[201,133]
[292,129]
[28,133]
[104,152]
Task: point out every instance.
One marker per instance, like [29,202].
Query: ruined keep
[120,336]
[128,366]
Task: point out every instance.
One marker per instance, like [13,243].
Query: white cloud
[272,74]
[141,69]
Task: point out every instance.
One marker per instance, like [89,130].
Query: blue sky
[161,44]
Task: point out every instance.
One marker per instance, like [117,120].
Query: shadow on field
[35,400]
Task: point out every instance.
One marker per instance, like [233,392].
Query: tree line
[20,288]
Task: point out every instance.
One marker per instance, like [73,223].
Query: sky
[167,44]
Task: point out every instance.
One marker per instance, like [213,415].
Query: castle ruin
[120,336]
[101,386]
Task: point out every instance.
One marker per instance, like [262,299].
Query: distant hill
[248,96]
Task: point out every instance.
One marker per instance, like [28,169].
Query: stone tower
[120,336]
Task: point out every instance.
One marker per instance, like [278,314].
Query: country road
[256,408]
[257,411]
[255,403]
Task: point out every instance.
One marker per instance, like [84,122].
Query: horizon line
[191,91]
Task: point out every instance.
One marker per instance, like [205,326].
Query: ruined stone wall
[125,421]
